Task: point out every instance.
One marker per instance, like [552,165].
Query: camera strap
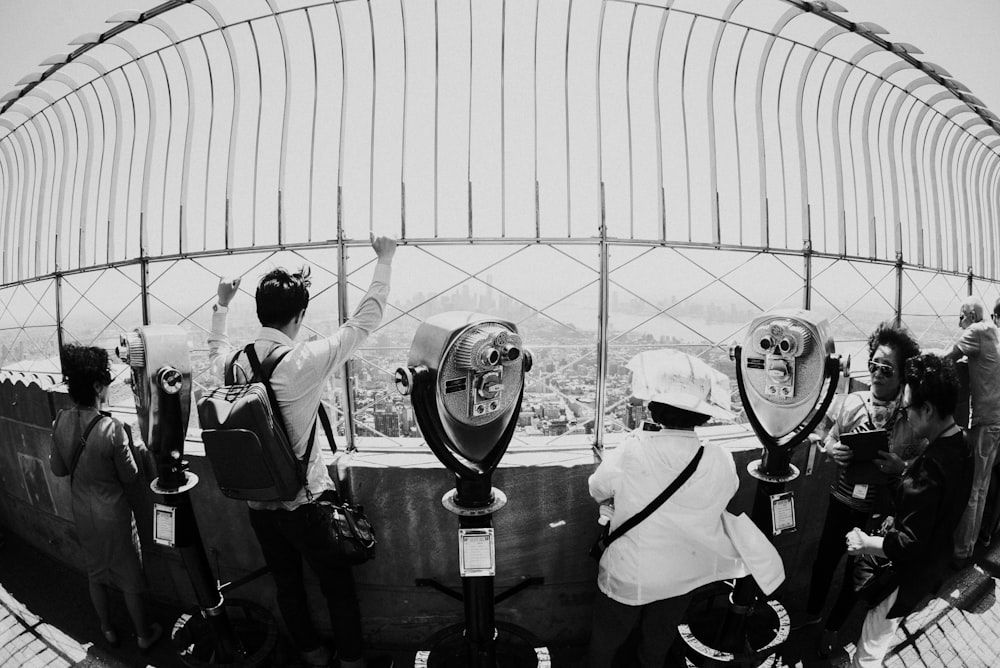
[658,501]
[83,443]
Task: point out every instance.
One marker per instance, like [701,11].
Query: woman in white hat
[647,576]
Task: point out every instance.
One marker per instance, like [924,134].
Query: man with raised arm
[283,529]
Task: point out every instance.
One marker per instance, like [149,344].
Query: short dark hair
[83,366]
[672,417]
[932,380]
[896,336]
[281,296]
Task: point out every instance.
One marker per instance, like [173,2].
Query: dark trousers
[286,539]
[614,622]
[832,546]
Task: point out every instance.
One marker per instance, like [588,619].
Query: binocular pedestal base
[762,628]
[481,641]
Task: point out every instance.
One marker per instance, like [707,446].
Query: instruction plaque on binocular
[782,513]
[164,519]
[476,555]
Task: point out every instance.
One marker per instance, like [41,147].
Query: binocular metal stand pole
[772,472]
[475,501]
[174,487]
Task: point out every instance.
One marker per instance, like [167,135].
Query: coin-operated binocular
[465,379]
[786,370]
[160,361]
[787,373]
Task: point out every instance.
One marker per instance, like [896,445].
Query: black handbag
[874,577]
[347,533]
[607,536]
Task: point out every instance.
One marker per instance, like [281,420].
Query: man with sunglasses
[980,344]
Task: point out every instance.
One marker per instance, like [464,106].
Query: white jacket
[683,544]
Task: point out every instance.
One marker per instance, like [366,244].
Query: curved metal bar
[103,74]
[800,134]
[213,13]
[968,151]
[5,177]
[208,148]
[936,186]
[62,223]
[687,150]
[915,164]
[503,120]
[18,164]
[534,125]
[192,106]
[10,193]
[906,189]
[661,205]
[838,171]
[406,97]
[82,225]
[437,104]
[893,177]
[866,153]
[43,181]
[776,28]
[468,135]
[992,207]
[569,172]
[713,184]
[628,124]
[256,145]
[29,236]
[285,111]
[951,165]
[976,178]
[49,224]
[343,125]
[781,147]
[140,62]
[602,302]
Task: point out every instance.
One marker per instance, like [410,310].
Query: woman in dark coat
[91,447]
[928,503]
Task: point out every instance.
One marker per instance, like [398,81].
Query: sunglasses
[881,367]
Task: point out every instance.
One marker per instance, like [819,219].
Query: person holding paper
[860,489]
[928,503]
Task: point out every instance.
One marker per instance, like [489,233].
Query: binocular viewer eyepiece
[465,378]
[160,361]
[782,365]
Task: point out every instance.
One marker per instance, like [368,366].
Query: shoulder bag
[345,530]
[607,536]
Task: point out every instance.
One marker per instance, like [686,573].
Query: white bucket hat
[675,378]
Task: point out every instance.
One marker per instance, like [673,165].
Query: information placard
[476,554]
[782,513]
[164,524]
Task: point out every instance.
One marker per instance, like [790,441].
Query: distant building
[387,423]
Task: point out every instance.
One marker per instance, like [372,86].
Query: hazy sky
[960,35]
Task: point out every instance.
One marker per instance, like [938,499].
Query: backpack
[245,436]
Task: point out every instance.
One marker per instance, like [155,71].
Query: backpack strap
[262,373]
[82,443]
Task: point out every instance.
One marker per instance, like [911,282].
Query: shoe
[150,639]
[827,643]
[805,620]
[110,636]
